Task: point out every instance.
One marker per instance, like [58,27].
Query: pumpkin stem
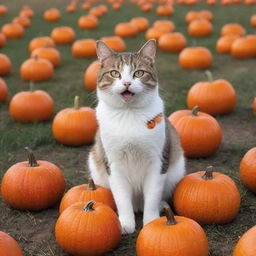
[194,111]
[208,173]
[209,75]
[169,215]
[76,102]
[31,158]
[89,206]
[31,86]
[91,184]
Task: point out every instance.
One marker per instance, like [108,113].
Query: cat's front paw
[128,225]
[149,218]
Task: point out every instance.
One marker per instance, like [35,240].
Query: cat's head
[127,79]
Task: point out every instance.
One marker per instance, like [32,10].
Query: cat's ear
[148,49]
[103,51]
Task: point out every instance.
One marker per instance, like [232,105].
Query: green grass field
[35,231]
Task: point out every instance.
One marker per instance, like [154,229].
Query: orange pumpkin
[172,42]
[31,106]
[26,12]
[9,246]
[163,10]
[253,20]
[116,6]
[244,47]
[147,7]
[63,35]
[3,90]
[199,132]
[165,25]
[32,185]
[200,28]
[36,69]
[86,192]
[191,15]
[5,65]
[52,15]
[3,10]
[71,8]
[12,30]
[84,48]
[126,29]
[207,197]
[75,126]
[246,245]
[23,21]
[91,75]
[141,23]
[39,42]
[172,235]
[232,28]
[88,22]
[48,53]
[86,6]
[213,97]
[254,106]
[96,11]
[2,40]
[248,170]
[115,42]
[85,222]
[154,33]
[195,58]
[206,14]
[224,43]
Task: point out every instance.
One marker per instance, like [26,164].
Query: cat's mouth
[127,95]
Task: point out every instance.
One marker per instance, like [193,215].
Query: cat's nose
[127,84]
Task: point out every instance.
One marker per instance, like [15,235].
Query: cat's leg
[153,190]
[122,192]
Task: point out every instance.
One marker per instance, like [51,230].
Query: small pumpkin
[164,10]
[172,235]
[96,11]
[248,170]
[253,20]
[12,30]
[75,126]
[3,10]
[224,43]
[3,90]
[52,15]
[141,23]
[91,75]
[172,42]
[84,48]
[206,14]
[116,6]
[246,245]
[200,133]
[116,43]
[39,42]
[5,65]
[9,246]
[63,35]
[26,12]
[166,26]
[31,106]
[154,33]
[36,69]
[200,28]
[232,28]
[23,21]
[191,15]
[213,97]
[86,6]
[2,40]
[207,197]
[126,29]
[254,106]
[85,222]
[32,185]
[88,22]
[86,192]
[195,58]
[244,47]
[147,7]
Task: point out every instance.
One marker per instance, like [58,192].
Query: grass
[35,231]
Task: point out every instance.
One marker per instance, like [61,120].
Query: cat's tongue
[127,95]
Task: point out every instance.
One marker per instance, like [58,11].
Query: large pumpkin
[5,65]
[212,97]
[32,185]
[172,42]
[63,35]
[88,229]
[207,197]
[84,48]
[195,58]
[232,28]
[246,245]
[36,69]
[172,235]
[91,75]
[9,246]
[75,126]
[248,169]
[244,47]
[31,106]
[3,90]
[12,30]
[200,28]
[86,192]
[199,132]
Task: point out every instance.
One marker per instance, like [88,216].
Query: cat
[137,152]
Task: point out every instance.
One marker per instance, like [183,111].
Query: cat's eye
[138,73]
[115,74]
